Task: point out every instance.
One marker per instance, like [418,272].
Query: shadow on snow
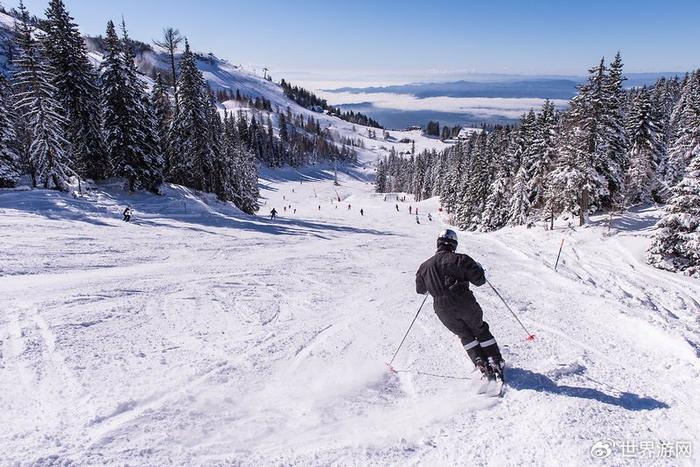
[519,378]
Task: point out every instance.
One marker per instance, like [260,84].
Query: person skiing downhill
[273,213]
[127,214]
[446,276]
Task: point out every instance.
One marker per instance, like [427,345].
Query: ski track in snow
[200,336]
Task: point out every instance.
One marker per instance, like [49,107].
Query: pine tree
[519,201]
[380,178]
[284,134]
[163,113]
[676,245]
[574,177]
[615,160]
[40,109]
[645,150]
[495,214]
[191,151]
[76,88]
[543,153]
[247,181]
[686,129]
[128,122]
[9,158]
[524,157]
[170,42]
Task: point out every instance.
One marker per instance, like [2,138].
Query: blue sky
[380,36]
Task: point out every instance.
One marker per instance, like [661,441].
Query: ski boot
[496,369]
[485,369]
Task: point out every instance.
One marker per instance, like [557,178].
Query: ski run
[199,335]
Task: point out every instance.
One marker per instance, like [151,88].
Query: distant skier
[362,212]
[410,209]
[273,214]
[349,207]
[397,208]
[430,218]
[416,211]
[295,210]
[127,214]
[284,208]
[447,276]
[417,219]
[319,207]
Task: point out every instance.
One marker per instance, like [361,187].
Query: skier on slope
[127,214]
[447,276]
[273,213]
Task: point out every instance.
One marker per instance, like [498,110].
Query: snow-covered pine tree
[523,158]
[495,214]
[574,176]
[476,182]
[222,168]
[519,200]
[163,114]
[455,168]
[645,149]
[590,111]
[543,152]
[686,129]
[380,178]
[247,189]
[676,245]
[40,109]
[614,163]
[191,152]
[128,124]
[76,85]
[9,158]
[147,167]
[665,95]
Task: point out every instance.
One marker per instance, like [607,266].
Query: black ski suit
[447,276]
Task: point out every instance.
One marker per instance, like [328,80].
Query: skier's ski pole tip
[531,337]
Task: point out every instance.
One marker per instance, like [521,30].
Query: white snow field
[197,335]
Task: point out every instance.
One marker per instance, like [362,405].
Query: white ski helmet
[448,237]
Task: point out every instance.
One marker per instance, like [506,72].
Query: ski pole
[406,335]
[530,337]
[561,245]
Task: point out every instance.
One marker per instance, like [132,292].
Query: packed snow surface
[197,335]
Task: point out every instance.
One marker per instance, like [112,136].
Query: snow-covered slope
[200,336]
[220,74]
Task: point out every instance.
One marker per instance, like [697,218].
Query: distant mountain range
[513,86]
[482,98]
